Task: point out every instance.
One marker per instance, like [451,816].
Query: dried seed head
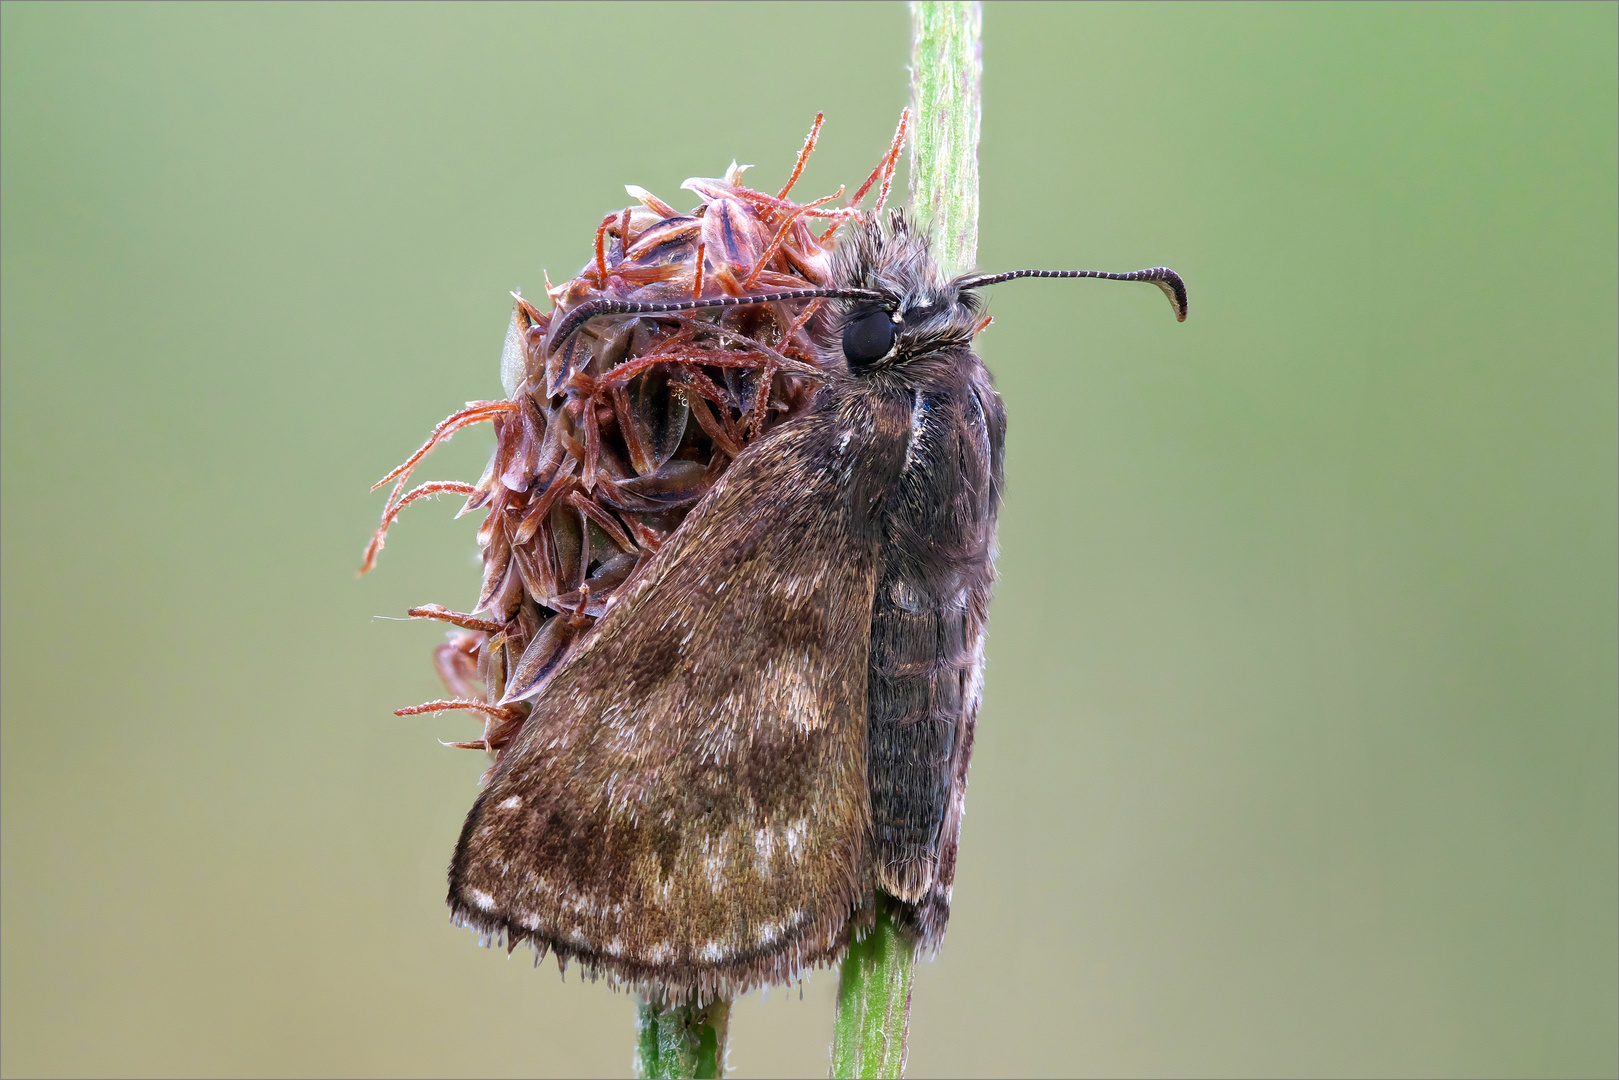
[606,442]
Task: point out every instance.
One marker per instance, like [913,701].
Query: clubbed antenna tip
[1161,276]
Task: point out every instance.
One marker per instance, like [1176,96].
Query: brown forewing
[687,804]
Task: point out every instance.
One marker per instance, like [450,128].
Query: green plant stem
[681,1040]
[947,73]
[874,992]
[874,1004]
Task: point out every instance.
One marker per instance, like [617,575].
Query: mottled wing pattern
[687,806]
[929,620]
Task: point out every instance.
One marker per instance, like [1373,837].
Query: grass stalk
[874,1004]
[947,73]
[874,991]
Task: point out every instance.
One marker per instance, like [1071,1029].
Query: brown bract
[605,443]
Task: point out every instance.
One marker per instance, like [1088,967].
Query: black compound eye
[867,338]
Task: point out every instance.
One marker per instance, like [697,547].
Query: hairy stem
[874,992]
[681,1040]
[874,1004]
[947,72]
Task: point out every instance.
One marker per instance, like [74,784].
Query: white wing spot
[484,901]
[764,842]
[510,804]
[711,951]
[795,837]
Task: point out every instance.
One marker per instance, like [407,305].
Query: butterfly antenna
[1161,276]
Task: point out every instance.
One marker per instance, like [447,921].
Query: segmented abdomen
[921,661]
[929,617]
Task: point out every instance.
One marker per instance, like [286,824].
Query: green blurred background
[1298,749]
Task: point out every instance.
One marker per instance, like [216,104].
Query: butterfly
[766,733]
